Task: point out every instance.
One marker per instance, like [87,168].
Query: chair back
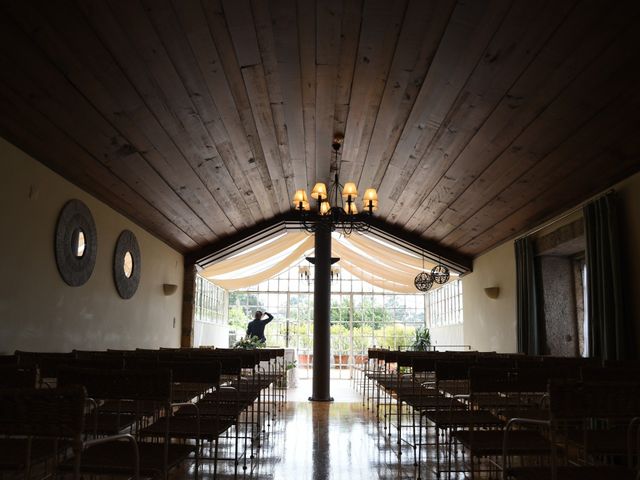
[152,384]
[571,400]
[205,372]
[8,360]
[55,412]
[452,369]
[47,362]
[501,380]
[610,374]
[14,376]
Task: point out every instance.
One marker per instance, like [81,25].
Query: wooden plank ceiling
[475,120]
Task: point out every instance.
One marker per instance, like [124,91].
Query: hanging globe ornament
[423,281]
[440,274]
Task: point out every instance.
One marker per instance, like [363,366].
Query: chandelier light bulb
[370,194]
[325,208]
[370,206]
[319,191]
[350,190]
[300,196]
[350,208]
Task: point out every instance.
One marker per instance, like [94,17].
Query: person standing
[256,326]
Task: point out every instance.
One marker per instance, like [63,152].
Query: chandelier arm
[308,226]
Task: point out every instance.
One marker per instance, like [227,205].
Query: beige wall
[444,338]
[491,324]
[38,311]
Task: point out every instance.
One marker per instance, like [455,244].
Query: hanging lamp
[424,280]
[440,273]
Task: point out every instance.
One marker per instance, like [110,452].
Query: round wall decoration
[127,264]
[76,243]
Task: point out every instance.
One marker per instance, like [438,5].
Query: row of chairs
[509,414]
[135,413]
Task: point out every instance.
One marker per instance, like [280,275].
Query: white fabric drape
[372,266]
[259,276]
[397,257]
[369,260]
[259,254]
[376,281]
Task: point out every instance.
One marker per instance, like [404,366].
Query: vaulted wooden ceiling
[196,119]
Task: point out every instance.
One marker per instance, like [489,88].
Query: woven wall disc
[76,243]
[127,264]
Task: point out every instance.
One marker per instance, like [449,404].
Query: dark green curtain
[607,332]
[529,337]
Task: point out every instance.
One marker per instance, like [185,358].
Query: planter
[292,378]
[341,361]
[360,359]
[305,360]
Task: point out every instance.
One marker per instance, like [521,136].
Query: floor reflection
[322,441]
[321,450]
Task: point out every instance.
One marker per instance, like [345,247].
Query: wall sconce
[335,272]
[492,292]
[304,273]
[169,288]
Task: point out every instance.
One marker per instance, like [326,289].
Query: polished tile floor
[323,441]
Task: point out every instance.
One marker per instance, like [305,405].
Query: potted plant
[248,343]
[422,341]
[291,378]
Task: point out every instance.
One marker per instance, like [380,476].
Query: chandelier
[342,215]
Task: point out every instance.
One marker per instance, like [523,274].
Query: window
[362,316]
[445,305]
[210,303]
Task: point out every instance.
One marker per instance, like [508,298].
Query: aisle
[322,441]
[337,441]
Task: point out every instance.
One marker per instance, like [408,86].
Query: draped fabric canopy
[372,261]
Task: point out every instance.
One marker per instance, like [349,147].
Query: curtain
[529,338]
[372,261]
[607,332]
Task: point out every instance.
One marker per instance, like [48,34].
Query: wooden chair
[190,424]
[490,389]
[14,376]
[581,406]
[35,422]
[139,387]
[47,364]
[46,425]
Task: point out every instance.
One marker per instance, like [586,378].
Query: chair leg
[215,458]
[235,453]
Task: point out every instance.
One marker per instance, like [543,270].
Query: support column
[321,316]
[188,306]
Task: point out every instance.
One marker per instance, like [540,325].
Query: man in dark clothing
[256,326]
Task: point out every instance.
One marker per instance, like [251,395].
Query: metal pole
[321,316]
